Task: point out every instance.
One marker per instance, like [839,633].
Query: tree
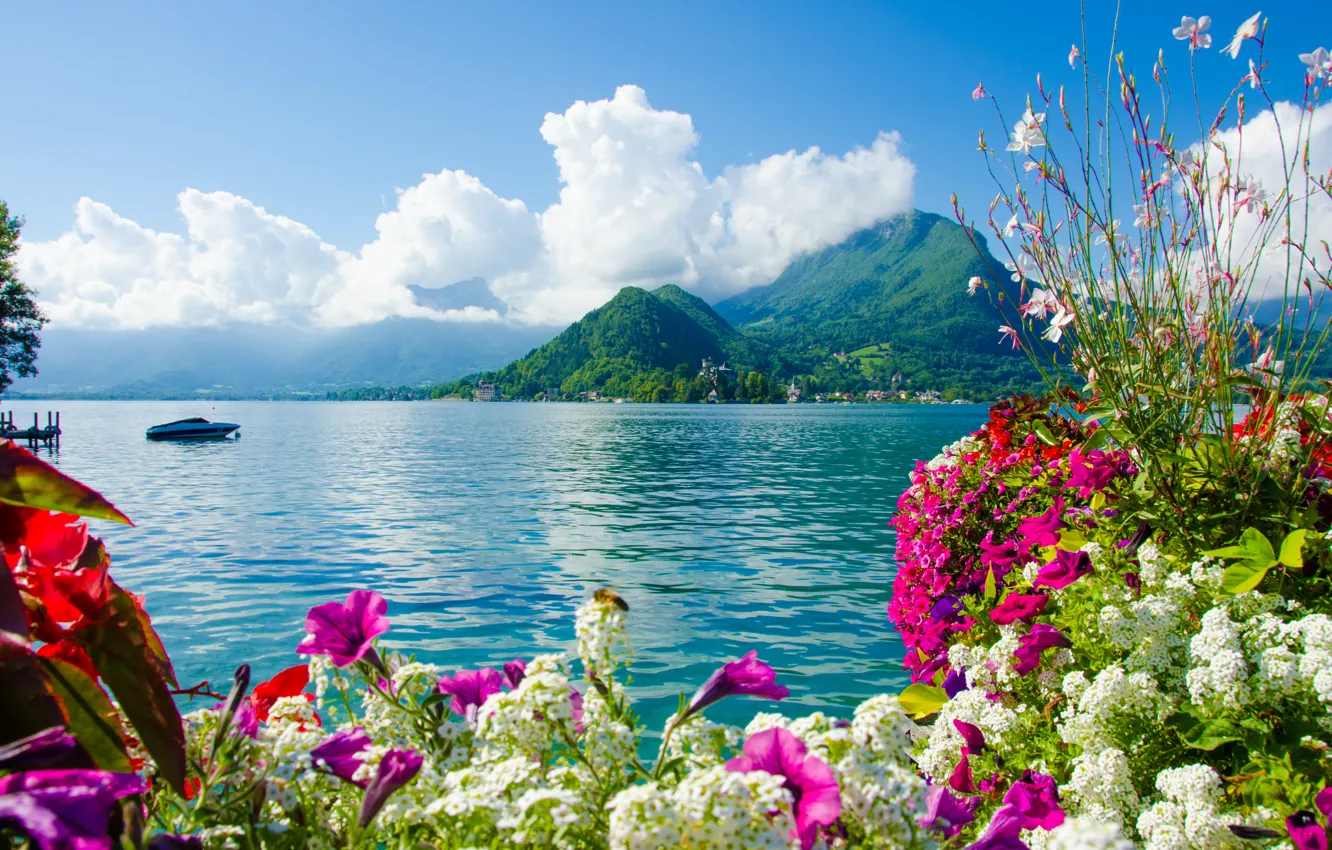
[20,317]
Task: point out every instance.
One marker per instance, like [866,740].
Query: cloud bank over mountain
[635,208]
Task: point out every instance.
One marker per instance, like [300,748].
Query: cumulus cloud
[1268,151]
[635,208]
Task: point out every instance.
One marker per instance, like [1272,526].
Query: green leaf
[1071,540]
[124,657]
[1098,501]
[922,700]
[1253,546]
[91,719]
[990,589]
[1043,433]
[29,482]
[1243,576]
[1210,734]
[1292,547]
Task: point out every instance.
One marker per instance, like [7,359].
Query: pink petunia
[817,799]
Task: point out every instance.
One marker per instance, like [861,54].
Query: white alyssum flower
[602,629]
[709,808]
[1083,833]
[1187,818]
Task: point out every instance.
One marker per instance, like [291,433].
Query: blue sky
[318,111]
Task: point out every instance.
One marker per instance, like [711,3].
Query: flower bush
[1115,602]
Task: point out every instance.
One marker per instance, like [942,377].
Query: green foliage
[20,318]
[640,346]
[894,296]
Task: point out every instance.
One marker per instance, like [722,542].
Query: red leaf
[29,482]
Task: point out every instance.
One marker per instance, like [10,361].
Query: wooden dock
[34,436]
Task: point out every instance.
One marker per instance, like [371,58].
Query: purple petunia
[946,607]
[944,812]
[1003,833]
[167,841]
[1305,831]
[999,555]
[817,801]
[345,631]
[955,682]
[36,750]
[470,688]
[65,809]
[1033,643]
[396,769]
[1066,568]
[514,672]
[1036,798]
[338,754]
[746,677]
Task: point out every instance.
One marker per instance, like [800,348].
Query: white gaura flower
[1249,194]
[1024,268]
[1141,216]
[1252,77]
[974,284]
[1248,29]
[1194,31]
[1042,301]
[1061,319]
[1073,55]
[1109,233]
[1012,226]
[1010,333]
[979,92]
[1027,132]
[1319,62]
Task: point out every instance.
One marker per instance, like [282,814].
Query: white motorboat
[192,429]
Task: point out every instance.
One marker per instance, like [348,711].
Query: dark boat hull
[195,434]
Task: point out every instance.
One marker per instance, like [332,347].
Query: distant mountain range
[887,309]
[246,360]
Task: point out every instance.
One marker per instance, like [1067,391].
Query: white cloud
[1271,146]
[635,209]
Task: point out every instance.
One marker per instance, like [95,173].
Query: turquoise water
[725,528]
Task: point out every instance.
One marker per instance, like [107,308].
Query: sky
[303,162]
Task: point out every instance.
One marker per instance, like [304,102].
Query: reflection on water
[725,528]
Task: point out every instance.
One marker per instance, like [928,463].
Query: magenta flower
[167,841]
[972,736]
[514,672]
[1018,606]
[1066,568]
[1036,798]
[337,755]
[1090,472]
[576,700]
[1033,643]
[944,812]
[65,809]
[470,689]
[36,750]
[746,677]
[1324,801]
[817,799]
[1003,833]
[345,631]
[244,722]
[962,780]
[396,769]
[999,555]
[1042,530]
[1305,831]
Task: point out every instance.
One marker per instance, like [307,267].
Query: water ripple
[726,528]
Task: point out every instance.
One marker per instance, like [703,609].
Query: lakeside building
[486,392]
[793,392]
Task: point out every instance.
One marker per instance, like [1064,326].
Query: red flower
[52,539]
[71,653]
[289,683]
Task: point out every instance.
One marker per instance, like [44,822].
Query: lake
[725,528]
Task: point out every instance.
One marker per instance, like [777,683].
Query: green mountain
[890,299]
[638,345]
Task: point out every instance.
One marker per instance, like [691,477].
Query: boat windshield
[195,421]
